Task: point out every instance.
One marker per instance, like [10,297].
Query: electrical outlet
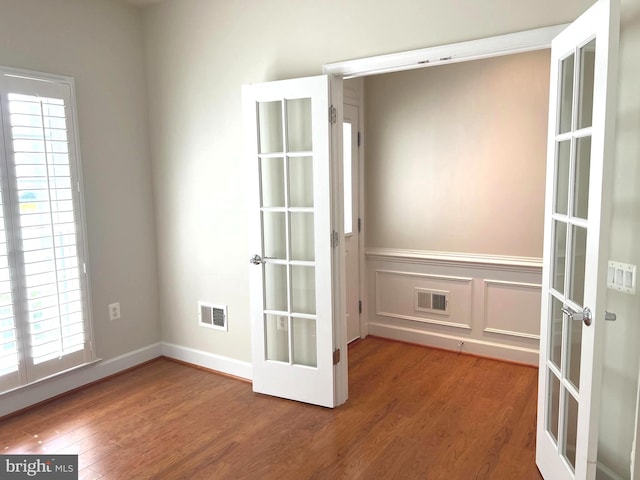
[282,323]
[114,311]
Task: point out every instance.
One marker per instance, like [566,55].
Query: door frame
[508,44]
[355,97]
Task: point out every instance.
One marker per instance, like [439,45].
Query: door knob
[256,259]
[583,316]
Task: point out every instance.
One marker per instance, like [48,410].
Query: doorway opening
[388,233]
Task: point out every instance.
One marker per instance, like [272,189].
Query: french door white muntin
[579,156]
[293,139]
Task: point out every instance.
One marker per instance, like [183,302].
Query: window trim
[81,222]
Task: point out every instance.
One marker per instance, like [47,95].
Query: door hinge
[334,239]
[333,114]
[359,225]
[360,307]
[359,139]
[336,356]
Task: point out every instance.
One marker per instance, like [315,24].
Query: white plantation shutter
[8,333]
[43,286]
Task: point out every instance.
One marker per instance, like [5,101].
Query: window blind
[44,315]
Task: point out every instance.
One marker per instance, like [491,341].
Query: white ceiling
[142,3]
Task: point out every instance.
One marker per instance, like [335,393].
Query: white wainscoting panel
[395,291]
[512,308]
[493,309]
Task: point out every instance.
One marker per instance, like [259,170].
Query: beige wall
[201,51]
[99,43]
[456,156]
[623,336]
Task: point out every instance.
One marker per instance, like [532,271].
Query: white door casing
[296,283]
[579,158]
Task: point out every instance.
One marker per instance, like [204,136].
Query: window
[347,162]
[44,296]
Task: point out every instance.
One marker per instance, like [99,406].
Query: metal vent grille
[212,316]
[433,301]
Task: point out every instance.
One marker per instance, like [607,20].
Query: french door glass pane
[571,429]
[578,263]
[303,289]
[304,342]
[277,338]
[272,182]
[299,125]
[302,241]
[275,287]
[270,127]
[587,70]
[562,177]
[274,235]
[566,93]
[301,182]
[553,405]
[581,177]
[559,255]
[574,350]
[557,326]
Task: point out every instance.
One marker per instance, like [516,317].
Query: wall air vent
[212,316]
[432,301]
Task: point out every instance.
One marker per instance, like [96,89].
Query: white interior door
[350,129]
[583,72]
[294,303]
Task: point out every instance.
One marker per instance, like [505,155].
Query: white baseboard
[28,395]
[227,365]
[483,348]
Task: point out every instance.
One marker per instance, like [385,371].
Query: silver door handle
[583,316]
[257,259]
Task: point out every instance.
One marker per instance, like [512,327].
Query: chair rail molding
[429,257]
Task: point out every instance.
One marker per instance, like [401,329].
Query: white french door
[291,129]
[581,113]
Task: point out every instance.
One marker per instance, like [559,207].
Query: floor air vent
[212,316]
[432,301]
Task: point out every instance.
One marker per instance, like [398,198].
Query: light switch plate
[622,277]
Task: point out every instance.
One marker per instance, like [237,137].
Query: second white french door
[583,72]
[291,129]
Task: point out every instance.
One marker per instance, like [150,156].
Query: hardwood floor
[413,413]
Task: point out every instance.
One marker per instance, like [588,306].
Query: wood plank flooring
[413,413]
